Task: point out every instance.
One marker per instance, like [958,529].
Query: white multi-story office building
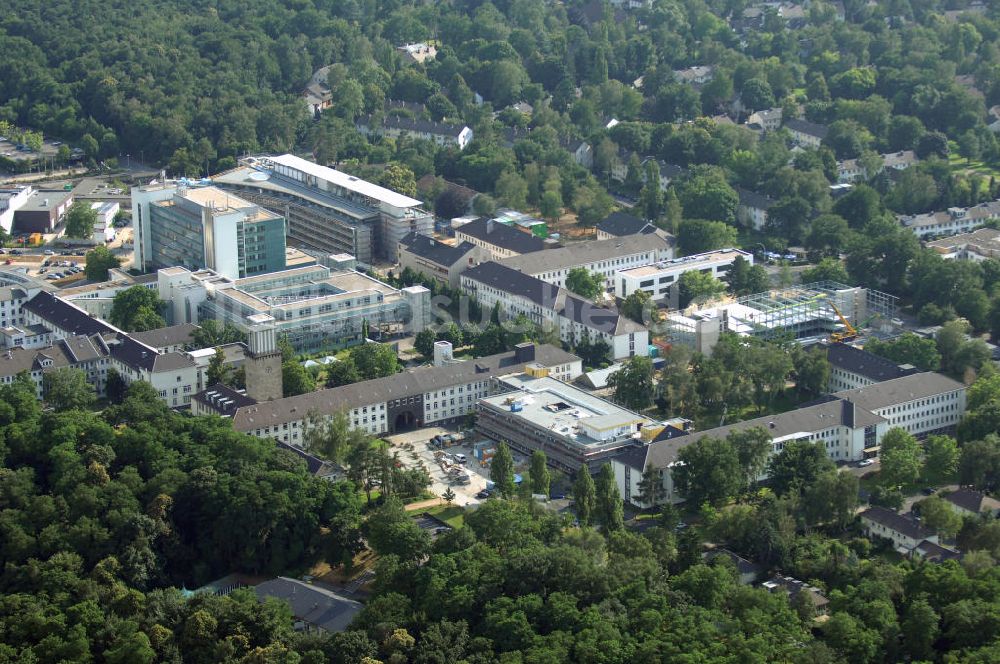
[657,279]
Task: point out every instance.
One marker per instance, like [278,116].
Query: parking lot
[415,449]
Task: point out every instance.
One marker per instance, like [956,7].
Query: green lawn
[453,515]
[960,164]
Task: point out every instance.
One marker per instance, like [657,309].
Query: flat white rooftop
[349,182]
[697,261]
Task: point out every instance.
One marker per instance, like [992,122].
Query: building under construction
[808,313]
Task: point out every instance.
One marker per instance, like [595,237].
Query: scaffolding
[805,313]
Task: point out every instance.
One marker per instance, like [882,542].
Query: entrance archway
[405,421]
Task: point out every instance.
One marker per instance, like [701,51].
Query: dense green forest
[100,513]
[104,516]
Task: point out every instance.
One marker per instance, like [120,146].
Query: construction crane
[849,333]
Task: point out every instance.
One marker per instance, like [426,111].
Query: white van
[460,458]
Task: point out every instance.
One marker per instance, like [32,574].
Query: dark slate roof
[313,463]
[807,418]
[892,520]
[317,606]
[411,382]
[754,200]
[971,500]
[935,552]
[417,125]
[223,399]
[743,566]
[503,236]
[435,252]
[133,353]
[510,280]
[552,297]
[793,586]
[166,336]
[65,316]
[863,363]
[623,223]
[806,127]
[138,355]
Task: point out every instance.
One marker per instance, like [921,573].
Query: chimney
[848,412]
[489,225]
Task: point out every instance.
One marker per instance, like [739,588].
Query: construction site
[808,313]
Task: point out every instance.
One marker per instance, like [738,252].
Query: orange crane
[849,332]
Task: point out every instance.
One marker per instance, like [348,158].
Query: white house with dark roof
[768,119]
[544,303]
[904,531]
[174,375]
[441,133]
[752,208]
[806,134]
[951,221]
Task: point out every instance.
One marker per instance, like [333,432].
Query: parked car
[866,462]
[460,458]
[484,494]
[49,252]
[928,491]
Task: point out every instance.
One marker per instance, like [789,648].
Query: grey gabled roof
[582,253]
[435,252]
[806,419]
[806,127]
[502,235]
[897,522]
[971,500]
[623,223]
[550,296]
[63,353]
[863,363]
[317,606]
[166,336]
[507,279]
[65,316]
[743,566]
[901,390]
[411,382]
[752,199]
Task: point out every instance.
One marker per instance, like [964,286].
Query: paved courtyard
[415,449]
